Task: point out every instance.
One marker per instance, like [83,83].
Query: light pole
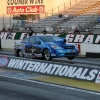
[3,20]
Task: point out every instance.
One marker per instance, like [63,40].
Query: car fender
[50,49]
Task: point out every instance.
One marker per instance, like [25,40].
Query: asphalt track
[17,85]
[80,59]
[22,89]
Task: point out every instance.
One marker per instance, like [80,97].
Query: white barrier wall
[8,43]
[89,48]
[83,47]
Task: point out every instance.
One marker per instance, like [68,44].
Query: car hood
[60,44]
[59,41]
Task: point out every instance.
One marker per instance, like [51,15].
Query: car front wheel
[71,57]
[47,55]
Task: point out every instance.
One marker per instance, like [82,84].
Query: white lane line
[54,85]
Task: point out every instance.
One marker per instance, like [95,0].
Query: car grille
[68,47]
[70,53]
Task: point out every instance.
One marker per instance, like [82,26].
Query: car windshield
[48,38]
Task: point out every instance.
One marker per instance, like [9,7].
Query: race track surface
[19,85]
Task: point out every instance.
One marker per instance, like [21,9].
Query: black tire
[71,57]
[47,55]
[20,53]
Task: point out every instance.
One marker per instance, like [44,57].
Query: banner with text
[51,68]
[24,2]
[70,38]
[25,9]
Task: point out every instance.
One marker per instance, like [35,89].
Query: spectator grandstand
[83,15]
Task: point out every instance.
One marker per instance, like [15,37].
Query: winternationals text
[75,72]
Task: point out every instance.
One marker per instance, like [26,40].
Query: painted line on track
[54,85]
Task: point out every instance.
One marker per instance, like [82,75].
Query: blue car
[45,46]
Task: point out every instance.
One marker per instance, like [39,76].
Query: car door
[35,45]
[27,47]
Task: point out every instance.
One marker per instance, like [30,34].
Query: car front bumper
[65,53]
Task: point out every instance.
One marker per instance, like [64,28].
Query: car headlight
[56,47]
[76,47]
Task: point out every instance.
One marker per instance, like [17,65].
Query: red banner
[25,9]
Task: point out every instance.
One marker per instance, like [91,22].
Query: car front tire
[47,55]
[71,57]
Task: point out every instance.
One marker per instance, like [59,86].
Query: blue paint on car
[46,46]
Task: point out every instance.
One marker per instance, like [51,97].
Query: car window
[33,40]
[26,40]
[49,38]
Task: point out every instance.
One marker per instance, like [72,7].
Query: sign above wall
[23,2]
[25,9]
[70,38]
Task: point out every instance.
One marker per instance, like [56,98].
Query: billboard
[51,68]
[25,9]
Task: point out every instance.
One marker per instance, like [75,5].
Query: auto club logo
[41,9]
[3,61]
[9,10]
